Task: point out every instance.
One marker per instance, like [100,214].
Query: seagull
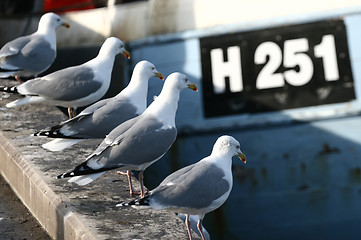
[138,142]
[75,86]
[100,118]
[198,188]
[31,55]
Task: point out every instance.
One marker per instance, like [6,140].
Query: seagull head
[180,81]
[52,20]
[228,145]
[113,45]
[148,70]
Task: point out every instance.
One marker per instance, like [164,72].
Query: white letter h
[231,69]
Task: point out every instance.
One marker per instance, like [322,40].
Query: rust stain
[326,149]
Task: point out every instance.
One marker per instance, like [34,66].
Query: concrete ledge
[58,220]
[65,210]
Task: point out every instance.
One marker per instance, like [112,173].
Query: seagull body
[75,86]
[32,54]
[100,118]
[138,142]
[198,188]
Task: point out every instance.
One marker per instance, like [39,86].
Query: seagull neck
[137,91]
[103,60]
[165,105]
[48,33]
[105,52]
[222,159]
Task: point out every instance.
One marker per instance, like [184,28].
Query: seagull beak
[67,25]
[159,75]
[193,87]
[126,54]
[242,157]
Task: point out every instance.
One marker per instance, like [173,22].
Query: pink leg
[131,190]
[199,226]
[71,112]
[142,192]
[188,224]
[129,176]
[18,79]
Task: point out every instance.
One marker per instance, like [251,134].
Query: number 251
[294,55]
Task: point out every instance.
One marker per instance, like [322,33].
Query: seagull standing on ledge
[97,120]
[31,55]
[75,86]
[138,142]
[198,188]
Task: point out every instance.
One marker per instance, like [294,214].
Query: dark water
[300,182]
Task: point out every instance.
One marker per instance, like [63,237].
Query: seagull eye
[238,147]
[58,20]
[153,68]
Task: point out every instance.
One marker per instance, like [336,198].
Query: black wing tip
[137,202]
[123,204]
[9,89]
[53,132]
[61,176]
[83,169]
[65,175]
[47,133]
[36,134]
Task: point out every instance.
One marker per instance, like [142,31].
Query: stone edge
[59,220]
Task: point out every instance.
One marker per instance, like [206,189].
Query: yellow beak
[126,54]
[67,25]
[159,75]
[242,157]
[193,86]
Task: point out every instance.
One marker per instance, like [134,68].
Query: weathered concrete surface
[65,210]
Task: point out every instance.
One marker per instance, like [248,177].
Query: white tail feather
[23,101]
[85,179]
[60,144]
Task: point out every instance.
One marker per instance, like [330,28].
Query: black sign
[276,69]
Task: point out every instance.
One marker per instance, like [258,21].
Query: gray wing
[13,47]
[114,136]
[201,181]
[100,118]
[143,142]
[65,85]
[29,53]
[95,106]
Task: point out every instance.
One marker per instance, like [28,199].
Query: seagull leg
[131,189]
[140,176]
[129,175]
[71,112]
[188,224]
[199,226]
[18,79]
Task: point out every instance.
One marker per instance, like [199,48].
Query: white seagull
[198,188]
[31,55]
[75,86]
[138,142]
[97,120]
